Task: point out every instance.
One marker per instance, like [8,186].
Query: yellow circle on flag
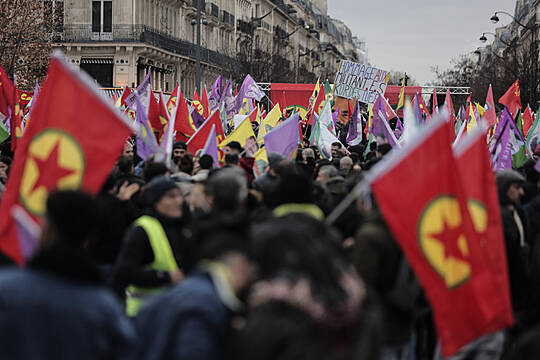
[443,242]
[54,161]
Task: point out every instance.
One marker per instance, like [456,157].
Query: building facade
[118,41]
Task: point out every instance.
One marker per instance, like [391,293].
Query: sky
[415,35]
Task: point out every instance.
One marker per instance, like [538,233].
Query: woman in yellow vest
[150,260]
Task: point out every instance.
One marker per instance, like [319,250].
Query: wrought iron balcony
[147,35]
[280,4]
[227,18]
[212,10]
[245,27]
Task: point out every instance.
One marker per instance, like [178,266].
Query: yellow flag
[402,94]
[370,115]
[260,163]
[240,134]
[258,117]
[473,124]
[244,110]
[269,122]
[480,109]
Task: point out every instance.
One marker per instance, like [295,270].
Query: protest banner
[359,81]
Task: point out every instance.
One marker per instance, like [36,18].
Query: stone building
[118,41]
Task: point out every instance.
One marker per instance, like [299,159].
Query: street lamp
[495,19]
[483,38]
[198,50]
[292,33]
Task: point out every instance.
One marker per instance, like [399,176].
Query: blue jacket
[46,315]
[189,322]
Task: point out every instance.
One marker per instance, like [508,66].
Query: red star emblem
[50,172]
[449,236]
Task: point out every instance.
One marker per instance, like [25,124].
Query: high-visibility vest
[163,261]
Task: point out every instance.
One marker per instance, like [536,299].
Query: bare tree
[27,31]
[518,61]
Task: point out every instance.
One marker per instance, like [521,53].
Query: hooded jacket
[61,310]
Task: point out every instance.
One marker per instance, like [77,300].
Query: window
[101,16]
[257,10]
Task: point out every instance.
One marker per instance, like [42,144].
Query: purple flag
[210,147]
[380,126]
[143,91]
[28,231]
[355,123]
[197,118]
[399,128]
[417,111]
[335,116]
[215,93]
[501,149]
[250,90]
[284,138]
[228,99]
[146,141]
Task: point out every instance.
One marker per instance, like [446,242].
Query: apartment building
[118,41]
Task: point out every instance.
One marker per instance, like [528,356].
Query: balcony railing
[280,4]
[212,10]
[245,27]
[227,18]
[145,34]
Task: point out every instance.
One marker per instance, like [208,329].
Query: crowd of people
[189,260]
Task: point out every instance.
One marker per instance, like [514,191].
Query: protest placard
[360,81]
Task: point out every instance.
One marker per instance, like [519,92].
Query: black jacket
[137,252]
[517,257]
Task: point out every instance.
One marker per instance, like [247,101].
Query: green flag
[4,133]
[329,93]
[520,157]
[533,136]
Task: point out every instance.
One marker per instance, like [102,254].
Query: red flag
[423,108]
[428,216]
[72,142]
[153,113]
[163,117]
[450,107]
[511,99]
[205,104]
[197,104]
[183,125]
[435,107]
[527,120]
[474,167]
[350,109]
[198,140]
[7,93]
[125,94]
[16,120]
[171,103]
[490,116]
[253,115]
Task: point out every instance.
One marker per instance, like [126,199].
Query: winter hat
[180,145]
[504,179]
[158,187]
[274,159]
